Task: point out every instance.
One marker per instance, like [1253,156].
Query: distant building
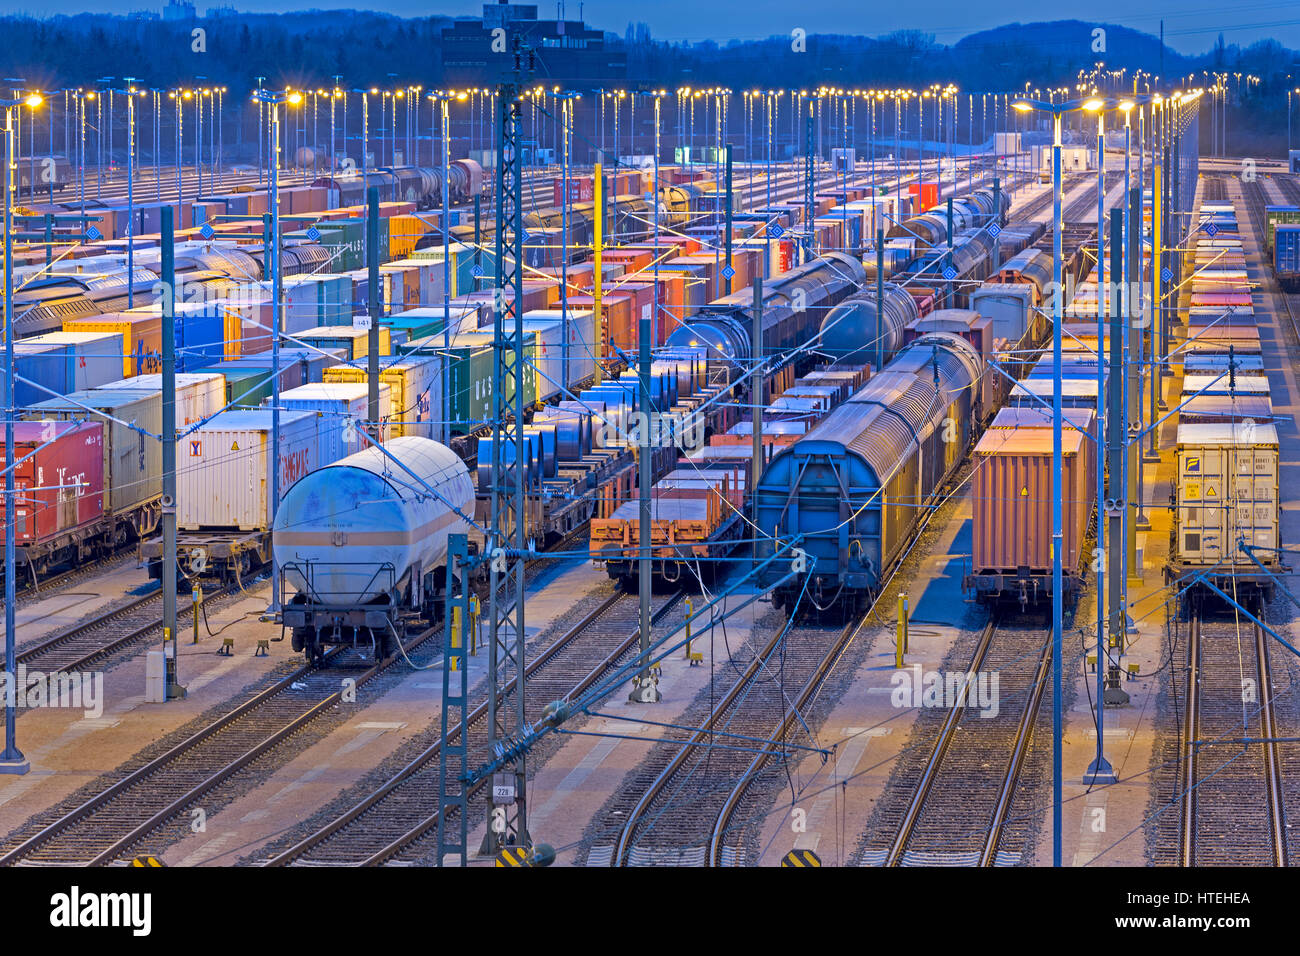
[220,13]
[178,10]
[569,52]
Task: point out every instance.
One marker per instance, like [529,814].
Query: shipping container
[547,325]
[59,476]
[93,358]
[223,472]
[346,402]
[1014,497]
[1227,493]
[249,381]
[351,338]
[1286,257]
[140,334]
[469,376]
[132,451]
[199,395]
[415,384]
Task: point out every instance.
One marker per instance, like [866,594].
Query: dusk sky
[1189,27]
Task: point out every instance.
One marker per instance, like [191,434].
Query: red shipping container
[581,189]
[928,193]
[61,486]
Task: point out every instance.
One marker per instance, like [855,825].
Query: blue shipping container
[1286,256]
[41,364]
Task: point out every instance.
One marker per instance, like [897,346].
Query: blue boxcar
[856,487]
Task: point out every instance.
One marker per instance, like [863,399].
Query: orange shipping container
[404,231]
[617,326]
[141,338]
[1013,499]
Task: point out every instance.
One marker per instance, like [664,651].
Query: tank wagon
[848,333]
[853,492]
[361,544]
[971,211]
[793,308]
[421,185]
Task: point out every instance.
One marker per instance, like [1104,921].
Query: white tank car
[347,536]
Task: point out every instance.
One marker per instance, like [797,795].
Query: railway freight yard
[456,470]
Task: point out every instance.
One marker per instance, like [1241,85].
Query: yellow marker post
[692,657]
[598,195]
[196,598]
[455,635]
[473,624]
[900,640]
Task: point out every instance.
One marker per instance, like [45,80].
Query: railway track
[106,826]
[674,812]
[77,647]
[1231,792]
[44,587]
[393,822]
[960,795]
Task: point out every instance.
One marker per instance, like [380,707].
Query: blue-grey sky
[1190,27]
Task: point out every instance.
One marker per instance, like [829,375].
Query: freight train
[851,494]
[793,307]
[421,185]
[978,208]
[1227,528]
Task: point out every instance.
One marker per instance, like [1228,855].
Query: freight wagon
[60,479]
[854,491]
[361,545]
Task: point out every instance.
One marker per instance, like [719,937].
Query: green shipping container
[247,386]
[470,377]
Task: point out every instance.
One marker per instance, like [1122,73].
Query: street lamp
[12,760]
[1057,110]
[271,256]
[130,93]
[445,100]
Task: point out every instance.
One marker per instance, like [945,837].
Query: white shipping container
[223,470]
[199,395]
[347,403]
[97,359]
[301,308]
[550,352]
[1227,492]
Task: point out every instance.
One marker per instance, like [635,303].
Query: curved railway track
[961,795]
[394,820]
[674,812]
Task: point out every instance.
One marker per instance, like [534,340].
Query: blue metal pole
[13,761]
[1058,539]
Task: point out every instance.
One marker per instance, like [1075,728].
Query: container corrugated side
[1013,495]
[223,476]
[132,460]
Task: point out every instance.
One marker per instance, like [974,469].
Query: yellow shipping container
[403,233]
[416,392]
